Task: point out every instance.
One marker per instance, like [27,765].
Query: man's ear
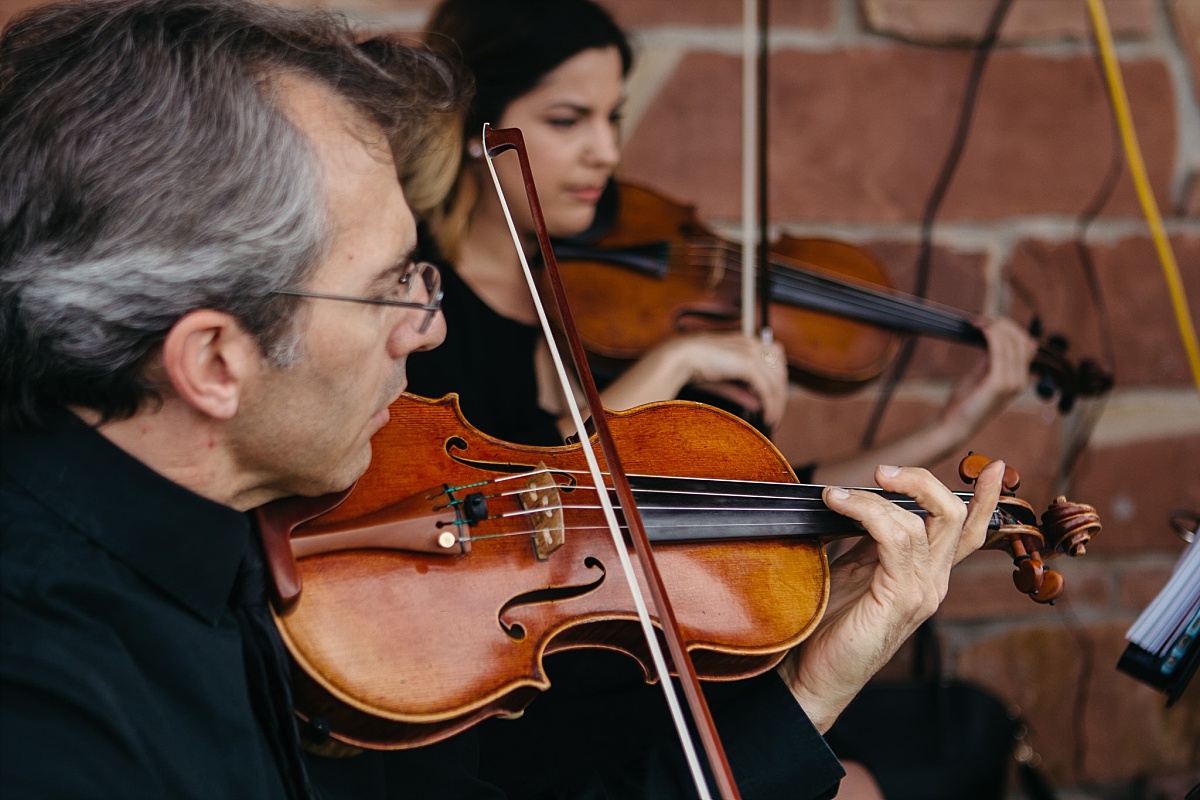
[207,358]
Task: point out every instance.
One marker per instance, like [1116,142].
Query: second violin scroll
[649,269]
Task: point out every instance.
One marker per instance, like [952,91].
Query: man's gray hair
[147,170]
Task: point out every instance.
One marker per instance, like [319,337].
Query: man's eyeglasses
[419,273]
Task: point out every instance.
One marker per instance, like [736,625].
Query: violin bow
[756,279]
[496,141]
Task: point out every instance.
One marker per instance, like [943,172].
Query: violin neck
[815,291]
[808,288]
[696,510]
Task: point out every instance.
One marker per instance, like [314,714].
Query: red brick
[814,14]
[1190,202]
[10,8]
[1138,585]
[939,21]
[860,135]
[1077,703]
[1171,784]
[1146,341]
[1135,487]
[823,429]
[981,588]
[1185,14]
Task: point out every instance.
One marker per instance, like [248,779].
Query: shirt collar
[187,545]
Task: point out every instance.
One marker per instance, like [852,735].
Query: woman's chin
[568,225]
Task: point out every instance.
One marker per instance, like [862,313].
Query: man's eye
[402,289]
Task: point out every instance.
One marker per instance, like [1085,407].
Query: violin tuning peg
[1066,402]
[1051,588]
[1093,379]
[971,467]
[1046,387]
[1028,576]
[1057,342]
[1011,481]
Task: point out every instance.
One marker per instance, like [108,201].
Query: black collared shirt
[121,666]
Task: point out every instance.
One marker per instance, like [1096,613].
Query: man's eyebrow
[399,265]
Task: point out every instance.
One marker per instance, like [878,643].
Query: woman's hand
[884,587]
[694,358]
[976,399]
[984,392]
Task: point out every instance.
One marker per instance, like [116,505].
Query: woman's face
[569,122]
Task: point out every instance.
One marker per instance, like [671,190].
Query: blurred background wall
[863,103]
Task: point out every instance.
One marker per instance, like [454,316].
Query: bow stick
[496,141]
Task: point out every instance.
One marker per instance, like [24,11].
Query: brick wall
[863,103]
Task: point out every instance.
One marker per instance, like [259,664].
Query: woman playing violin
[565,94]
[564,88]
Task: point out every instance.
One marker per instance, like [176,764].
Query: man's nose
[407,337]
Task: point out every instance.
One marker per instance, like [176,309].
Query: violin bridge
[542,500]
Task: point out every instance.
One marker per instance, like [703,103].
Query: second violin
[648,269]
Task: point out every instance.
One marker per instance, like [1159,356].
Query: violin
[648,269]
[424,599]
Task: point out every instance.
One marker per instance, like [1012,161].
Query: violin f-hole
[550,594]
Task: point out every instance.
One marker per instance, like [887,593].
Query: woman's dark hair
[510,45]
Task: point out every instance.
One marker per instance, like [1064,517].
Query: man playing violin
[183,185]
[207,295]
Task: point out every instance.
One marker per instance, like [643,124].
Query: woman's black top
[487,359]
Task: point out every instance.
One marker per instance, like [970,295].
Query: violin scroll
[1057,376]
[1065,529]
[1070,526]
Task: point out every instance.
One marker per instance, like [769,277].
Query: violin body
[398,649]
[424,600]
[657,271]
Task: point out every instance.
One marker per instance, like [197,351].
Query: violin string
[997,519]
[805,491]
[901,308]
[811,506]
[804,277]
[597,529]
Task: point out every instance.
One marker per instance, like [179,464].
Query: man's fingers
[929,493]
[895,531]
[979,510]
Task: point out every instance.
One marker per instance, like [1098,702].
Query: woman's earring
[475,149]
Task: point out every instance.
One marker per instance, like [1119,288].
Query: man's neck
[183,447]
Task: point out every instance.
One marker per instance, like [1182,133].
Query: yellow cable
[1141,182]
